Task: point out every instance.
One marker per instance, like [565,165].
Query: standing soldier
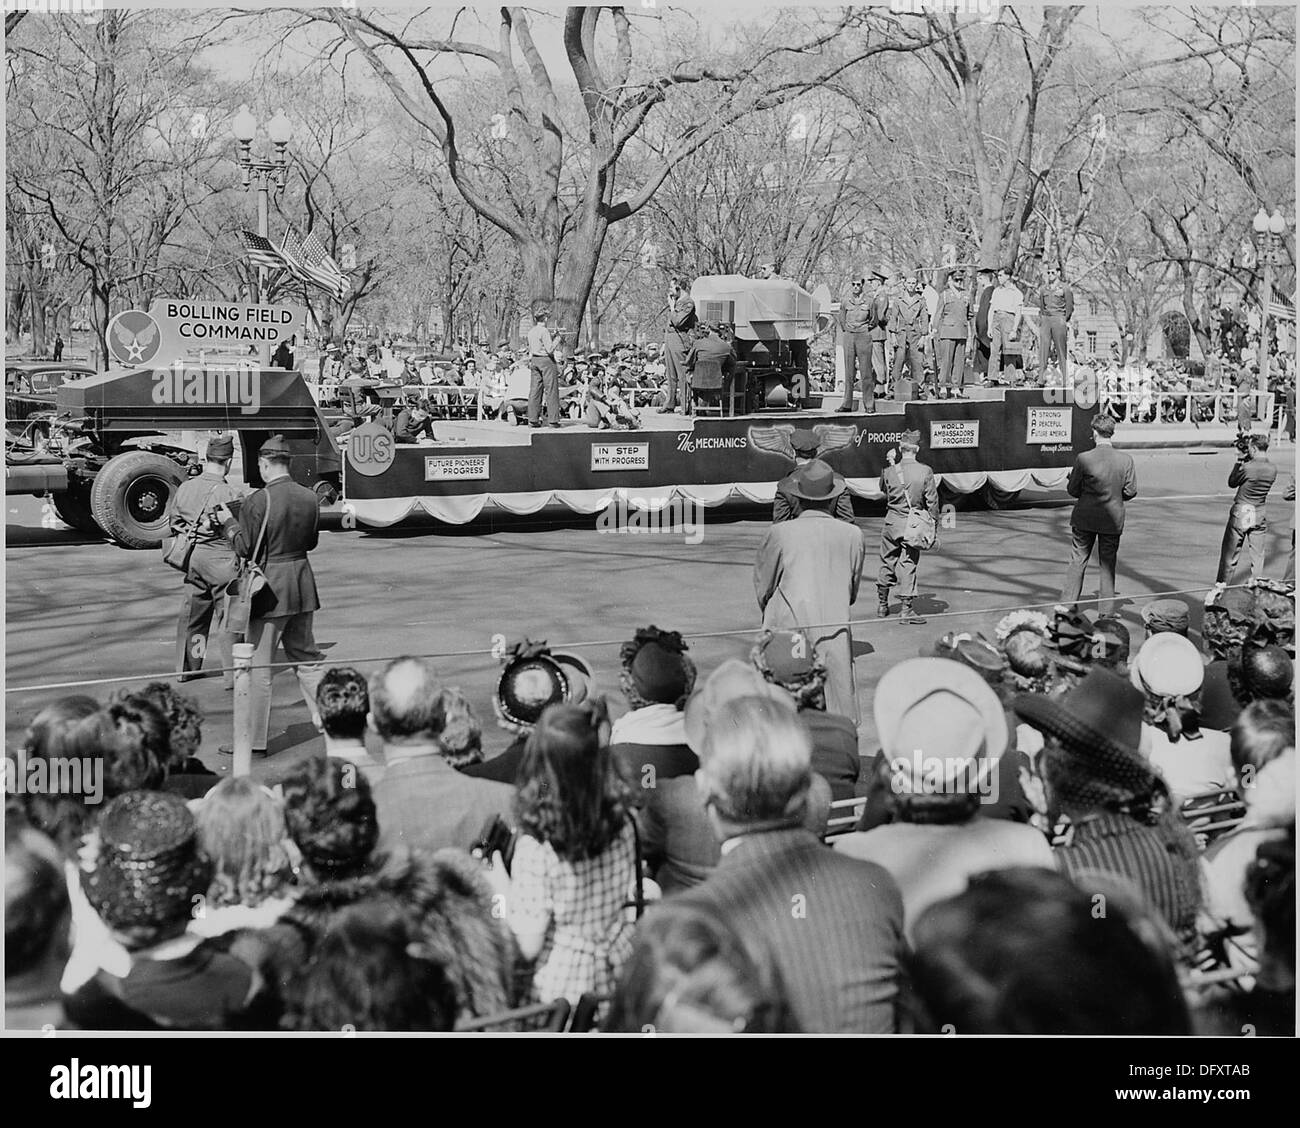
[908,485]
[212,562]
[855,341]
[1056,307]
[881,302]
[951,328]
[677,344]
[909,320]
[276,528]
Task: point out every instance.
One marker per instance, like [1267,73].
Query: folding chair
[845,815]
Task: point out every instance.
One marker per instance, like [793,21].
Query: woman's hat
[1098,758]
[1168,665]
[974,651]
[816,481]
[532,680]
[144,862]
[579,675]
[656,668]
[1170,615]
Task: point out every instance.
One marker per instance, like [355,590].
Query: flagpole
[264,230]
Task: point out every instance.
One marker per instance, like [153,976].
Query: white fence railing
[1190,408]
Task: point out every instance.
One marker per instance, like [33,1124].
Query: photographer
[1253,476]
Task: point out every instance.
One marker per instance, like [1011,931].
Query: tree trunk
[99,319]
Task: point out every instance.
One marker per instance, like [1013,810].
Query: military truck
[115,456]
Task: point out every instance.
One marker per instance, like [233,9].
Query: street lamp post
[1268,234]
[266,175]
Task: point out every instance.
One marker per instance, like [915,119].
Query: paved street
[79,609]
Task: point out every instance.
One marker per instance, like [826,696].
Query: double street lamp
[263,173]
[1269,230]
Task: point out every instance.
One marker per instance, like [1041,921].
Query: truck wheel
[131,497]
[327,492]
[73,507]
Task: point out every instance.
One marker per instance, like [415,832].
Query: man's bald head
[406,701]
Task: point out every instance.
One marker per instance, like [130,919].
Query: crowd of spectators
[713,858]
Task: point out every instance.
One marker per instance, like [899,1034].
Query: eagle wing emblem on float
[774,440]
[834,436]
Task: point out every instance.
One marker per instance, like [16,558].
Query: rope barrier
[592,644]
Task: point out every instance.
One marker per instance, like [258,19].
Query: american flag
[315,253]
[305,266]
[262,252]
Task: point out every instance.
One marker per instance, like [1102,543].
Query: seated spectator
[1122,820]
[575,858]
[242,833]
[1229,619]
[332,821]
[649,741]
[832,926]
[943,731]
[187,775]
[422,801]
[677,836]
[1263,750]
[1166,615]
[142,872]
[532,679]
[37,919]
[370,972]
[462,735]
[1258,673]
[1024,951]
[64,817]
[787,659]
[1192,760]
[689,973]
[343,702]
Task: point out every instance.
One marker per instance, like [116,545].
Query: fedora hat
[816,481]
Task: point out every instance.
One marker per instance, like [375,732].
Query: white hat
[1168,665]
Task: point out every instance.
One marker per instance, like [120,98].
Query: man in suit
[1056,307]
[677,345]
[950,328]
[276,528]
[422,801]
[786,506]
[854,321]
[831,926]
[212,561]
[908,485]
[711,363]
[909,323]
[1252,476]
[1102,480]
[807,575]
[983,339]
[544,383]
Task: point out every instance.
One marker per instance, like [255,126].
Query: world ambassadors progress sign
[174,329]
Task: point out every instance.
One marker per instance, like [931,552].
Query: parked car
[31,388]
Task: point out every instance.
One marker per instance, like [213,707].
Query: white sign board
[620,456]
[954,434]
[456,468]
[1049,425]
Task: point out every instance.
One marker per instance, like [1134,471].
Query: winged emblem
[777,440]
[773,440]
[135,344]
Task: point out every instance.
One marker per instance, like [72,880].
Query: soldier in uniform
[908,484]
[951,328]
[908,320]
[1056,306]
[855,340]
[881,302]
[677,344]
[212,563]
[283,609]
